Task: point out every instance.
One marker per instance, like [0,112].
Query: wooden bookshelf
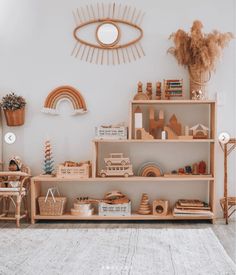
[209,180]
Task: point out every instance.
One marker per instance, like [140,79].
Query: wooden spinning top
[144,208]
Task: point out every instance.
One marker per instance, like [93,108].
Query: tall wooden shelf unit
[209,179]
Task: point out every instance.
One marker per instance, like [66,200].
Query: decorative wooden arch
[64,93]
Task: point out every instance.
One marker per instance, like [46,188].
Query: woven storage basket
[52,206]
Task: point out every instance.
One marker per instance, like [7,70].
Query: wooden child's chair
[15,195]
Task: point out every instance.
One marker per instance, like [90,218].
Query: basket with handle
[52,205]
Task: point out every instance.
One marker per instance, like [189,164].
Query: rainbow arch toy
[62,93]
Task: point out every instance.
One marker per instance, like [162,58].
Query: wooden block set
[159,130]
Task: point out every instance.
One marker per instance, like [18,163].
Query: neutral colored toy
[156,126]
[140,95]
[173,88]
[140,132]
[117,166]
[116,159]
[111,132]
[117,171]
[158,90]
[150,169]
[48,166]
[200,131]
[149,90]
[63,93]
[144,208]
[160,207]
[174,125]
[186,134]
[228,204]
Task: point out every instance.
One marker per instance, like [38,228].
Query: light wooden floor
[225,233]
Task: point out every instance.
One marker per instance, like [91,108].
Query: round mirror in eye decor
[108,34]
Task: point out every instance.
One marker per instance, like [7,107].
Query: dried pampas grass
[198,50]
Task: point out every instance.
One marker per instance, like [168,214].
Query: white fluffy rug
[113,251]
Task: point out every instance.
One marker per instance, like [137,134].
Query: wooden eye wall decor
[108,34]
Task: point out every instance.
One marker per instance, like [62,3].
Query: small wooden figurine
[202,167]
[173,88]
[149,90]
[144,208]
[156,126]
[200,131]
[195,169]
[140,95]
[158,90]
[186,134]
[160,207]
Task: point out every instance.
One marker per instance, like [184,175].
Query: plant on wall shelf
[14,109]
[198,52]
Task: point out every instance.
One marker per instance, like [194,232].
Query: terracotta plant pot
[15,117]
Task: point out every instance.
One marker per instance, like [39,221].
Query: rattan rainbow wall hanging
[62,93]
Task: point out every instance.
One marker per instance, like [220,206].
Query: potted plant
[14,109]
[199,53]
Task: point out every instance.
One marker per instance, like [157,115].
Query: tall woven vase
[198,82]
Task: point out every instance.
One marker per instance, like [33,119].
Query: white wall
[35,45]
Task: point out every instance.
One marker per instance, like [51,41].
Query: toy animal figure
[156,126]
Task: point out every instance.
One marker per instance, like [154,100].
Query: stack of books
[192,208]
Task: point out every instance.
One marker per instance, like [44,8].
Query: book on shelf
[187,202]
[205,207]
[185,207]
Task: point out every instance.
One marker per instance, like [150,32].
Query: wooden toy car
[116,159]
[117,171]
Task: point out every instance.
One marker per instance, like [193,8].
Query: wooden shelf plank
[68,216]
[181,101]
[154,141]
[130,179]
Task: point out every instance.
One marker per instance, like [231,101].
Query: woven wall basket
[15,117]
[198,80]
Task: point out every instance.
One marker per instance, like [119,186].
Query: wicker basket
[198,81]
[52,206]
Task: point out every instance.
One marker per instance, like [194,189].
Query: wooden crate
[81,172]
[116,210]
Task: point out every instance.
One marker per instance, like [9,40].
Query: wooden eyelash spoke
[111,16]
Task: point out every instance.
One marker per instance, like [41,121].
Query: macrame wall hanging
[108,34]
[64,93]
